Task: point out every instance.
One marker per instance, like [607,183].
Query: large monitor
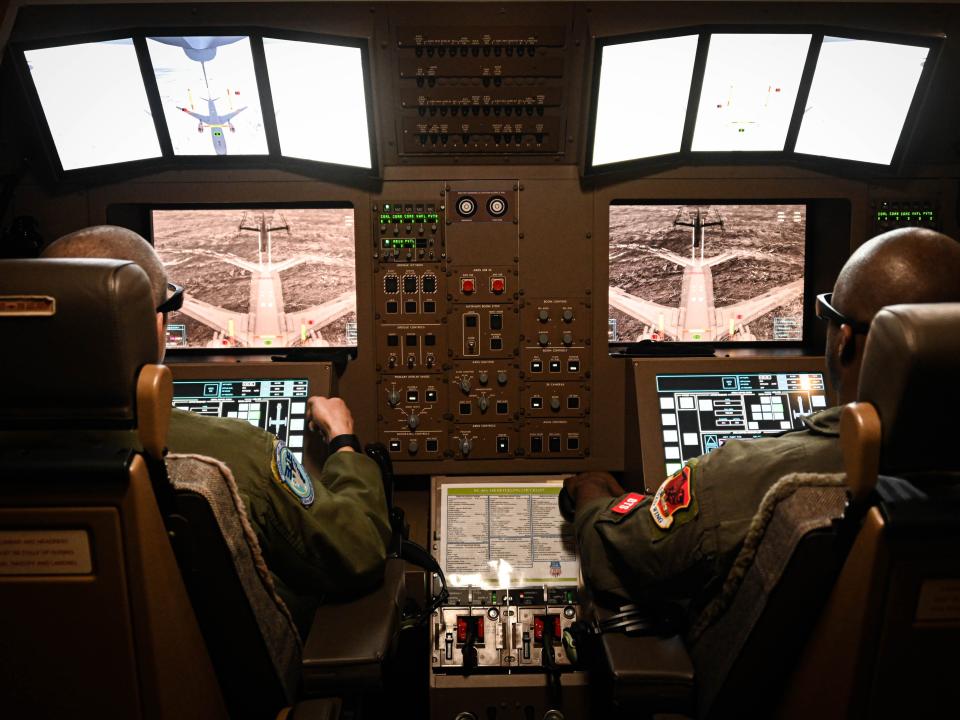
[688,407]
[260,277]
[270,396]
[94,103]
[707,272]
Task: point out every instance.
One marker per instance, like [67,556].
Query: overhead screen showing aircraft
[749,91]
[306,127]
[94,102]
[260,277]
[714,273]
[209,94]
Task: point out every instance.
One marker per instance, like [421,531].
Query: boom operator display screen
[699,413]
[712,273]
[260,278]
[278,406]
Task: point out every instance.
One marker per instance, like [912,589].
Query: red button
[467,285]
[497,285]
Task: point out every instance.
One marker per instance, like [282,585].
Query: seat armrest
[349,642]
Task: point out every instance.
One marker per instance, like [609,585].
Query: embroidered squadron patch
[674,495]
[630,503]
[288,471]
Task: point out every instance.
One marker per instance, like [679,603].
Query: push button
[467,286]
[497,285]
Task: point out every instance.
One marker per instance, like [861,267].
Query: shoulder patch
[288,471]
[674,495]
[630,503]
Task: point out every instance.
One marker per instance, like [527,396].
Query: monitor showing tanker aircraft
[95,103]
[306,127]
[209,94]
[713,273]
[260,278]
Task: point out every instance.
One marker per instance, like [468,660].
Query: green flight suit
[629,554]
[334,547]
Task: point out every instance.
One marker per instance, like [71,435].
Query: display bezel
[809,249]
[645,371]
[367,178]
[612,172]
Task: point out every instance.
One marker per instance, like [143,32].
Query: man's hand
[589,486]
[331,416]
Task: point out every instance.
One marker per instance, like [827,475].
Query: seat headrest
[911,375]
[75,335]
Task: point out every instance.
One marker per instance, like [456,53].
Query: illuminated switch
[573,366]
[429,306]
[466,408]
[573,402]
[496,344]
[410,307]
[470,320]
[391,283]
[536,366]
[497,285]
[502,407]
[429,284]
[536,402]
[392,307]
[496,321]
[555,445]
[432,445]
[394,446]
[536,444]
[429,339]
[573,442]
[412,396]
[467,286]
[393,340]
[411,340]
[503,444]
[554,366]
[409,283]
[431,395]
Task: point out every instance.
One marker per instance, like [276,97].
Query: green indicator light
[386,207]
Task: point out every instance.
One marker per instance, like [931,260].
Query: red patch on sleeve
[630,503]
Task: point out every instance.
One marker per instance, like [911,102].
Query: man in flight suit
[680,543]
[321,538]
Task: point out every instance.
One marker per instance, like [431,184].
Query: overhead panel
[749,91]
[861,93]
[472,91]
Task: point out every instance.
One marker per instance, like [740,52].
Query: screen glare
[859,99]
[642,98]
[209,94]
[95,103]
[749,91]
[303,78]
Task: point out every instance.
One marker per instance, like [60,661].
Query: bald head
[117,243]
[908,265]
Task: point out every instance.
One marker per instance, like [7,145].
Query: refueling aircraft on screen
[697,318]
[268,324]
[203,49]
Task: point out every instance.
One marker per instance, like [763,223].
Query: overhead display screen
[309,126]
[714,273]
[95,103]
[749,91]
[209,94]
[642,98]
[699,413]
[260,277]
[859,99]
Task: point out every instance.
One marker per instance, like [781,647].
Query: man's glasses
[826,311]
[174,302]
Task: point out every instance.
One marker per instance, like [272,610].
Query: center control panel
[519,628]
[468,366]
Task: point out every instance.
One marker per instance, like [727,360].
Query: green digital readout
[399,242]
[405,218]
[918,216]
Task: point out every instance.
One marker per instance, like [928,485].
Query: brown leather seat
[95,620]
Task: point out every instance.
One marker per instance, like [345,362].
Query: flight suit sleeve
[328,538]
[628,555]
